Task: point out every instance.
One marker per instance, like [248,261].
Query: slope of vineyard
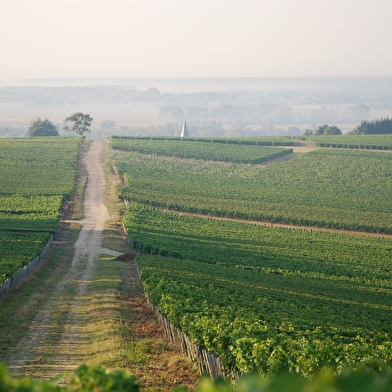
[265,298]
[268,299]
[250,141]
[341,189]
[369,142]
[37,175]
[201,150]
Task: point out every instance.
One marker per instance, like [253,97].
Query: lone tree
[80,123]
[40,127]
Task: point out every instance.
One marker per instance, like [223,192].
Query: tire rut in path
[56,340]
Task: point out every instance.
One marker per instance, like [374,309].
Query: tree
[40,127]
[360,111]
[328,130]
[382,126]
[80,123]
[171,113]
[307,132]
[332,130]
[196,114]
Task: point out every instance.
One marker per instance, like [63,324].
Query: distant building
[184,131]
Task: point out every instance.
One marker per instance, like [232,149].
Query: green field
[37,176]
[263,298]
[369,142]
[341,189]
[268,299]
[253,141]
[200,150]
[39,166]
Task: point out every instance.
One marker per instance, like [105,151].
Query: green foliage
[80,123]
[44,166]
[100,380]
[382,126]
[18,248]
[348,381]
[369,142]
[308,132]
[40,127]
[268,299]
[85,379]
[198,150]
[251,141]
[328,130]
[36,177]
[96,379]
[327,188]
[10,384]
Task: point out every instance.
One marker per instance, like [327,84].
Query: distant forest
[287,110]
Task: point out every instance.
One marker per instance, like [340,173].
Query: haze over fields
[296,63]
[193,39]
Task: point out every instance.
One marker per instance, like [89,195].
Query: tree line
[77,122]
[227,114]
[381,126]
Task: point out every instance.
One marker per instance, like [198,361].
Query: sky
[194,38]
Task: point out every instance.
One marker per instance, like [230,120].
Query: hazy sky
[198,38]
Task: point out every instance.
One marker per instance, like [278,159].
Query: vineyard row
[267,299]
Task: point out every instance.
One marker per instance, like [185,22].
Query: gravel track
[56,340]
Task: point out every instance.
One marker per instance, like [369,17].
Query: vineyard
[37,175]
[86,379]
[369,142]
[265,298]
[250,141]
[268,299]
[342,189]
[198,150]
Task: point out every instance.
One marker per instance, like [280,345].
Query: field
[37,176]
[233,287]
[267,298]
[250,141]
[340,189]
[270,299]
[201,150]
[370,142]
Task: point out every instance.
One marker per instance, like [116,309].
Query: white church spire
[184,131]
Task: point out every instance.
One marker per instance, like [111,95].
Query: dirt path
[55,341]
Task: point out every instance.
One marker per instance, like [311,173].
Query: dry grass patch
[144,350]
[19,309]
